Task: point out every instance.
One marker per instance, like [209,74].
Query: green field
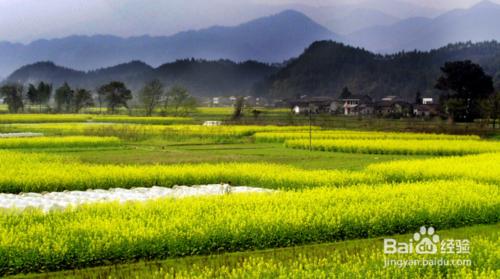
[309,261]
[330,207]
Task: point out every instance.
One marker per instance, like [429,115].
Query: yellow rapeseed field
[398,146]
[22,172]
[483,168]
[102,233]
[56,142]
[64,118]
[347,134]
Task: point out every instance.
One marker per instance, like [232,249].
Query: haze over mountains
[200,77]
[88,61]
[344,19]
[478,23]
[29,20]
[271,39]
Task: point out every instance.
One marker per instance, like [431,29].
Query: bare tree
[151,95]
[181,101]
[238,108]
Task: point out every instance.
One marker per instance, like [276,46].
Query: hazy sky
[27,20]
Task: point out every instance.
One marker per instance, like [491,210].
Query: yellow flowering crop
[23,172]
[110,233]
[346,134]
[395,146]
[63,118]
[483,168]
[56,142]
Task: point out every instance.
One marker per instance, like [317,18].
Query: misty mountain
[478,23]
[326,67]
[346,19]
[401,9]
[269,39]
[200,77]
[359,19]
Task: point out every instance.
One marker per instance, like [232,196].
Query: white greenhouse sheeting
[61,200]
[20,135]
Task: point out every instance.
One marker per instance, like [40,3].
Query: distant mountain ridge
[322,70]
[478,23]
[274,38]
[269,39]
[200,77]
[326,67]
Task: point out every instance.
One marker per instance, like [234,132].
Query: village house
[256,101]
[426,109]
[314,105]
[363,105]
[429,110]
[222,101]
[393,106]
[356,105]
[427,101]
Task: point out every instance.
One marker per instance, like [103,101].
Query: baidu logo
[425,241]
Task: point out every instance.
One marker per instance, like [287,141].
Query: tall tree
[492,108]
[64,98]
[101,96]
[44,93]
[466,86]
[82,99]
[151,95]
[346,94]
[115,94]
[180,100]
[32,94]
[238,108]
[13,96]
[418,98]
[39,95]
[496,81]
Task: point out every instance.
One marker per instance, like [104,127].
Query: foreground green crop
[112,233]
[346,259]
[407,147]
[56,142]
[31,172]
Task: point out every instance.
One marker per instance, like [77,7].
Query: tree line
[468,93]
[110,96]
[326,67]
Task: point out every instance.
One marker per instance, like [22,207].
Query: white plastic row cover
[62,200]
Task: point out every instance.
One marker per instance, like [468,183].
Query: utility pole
[310,126]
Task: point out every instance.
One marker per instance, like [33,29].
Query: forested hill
[326,67]
[322,70]
[200,77]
